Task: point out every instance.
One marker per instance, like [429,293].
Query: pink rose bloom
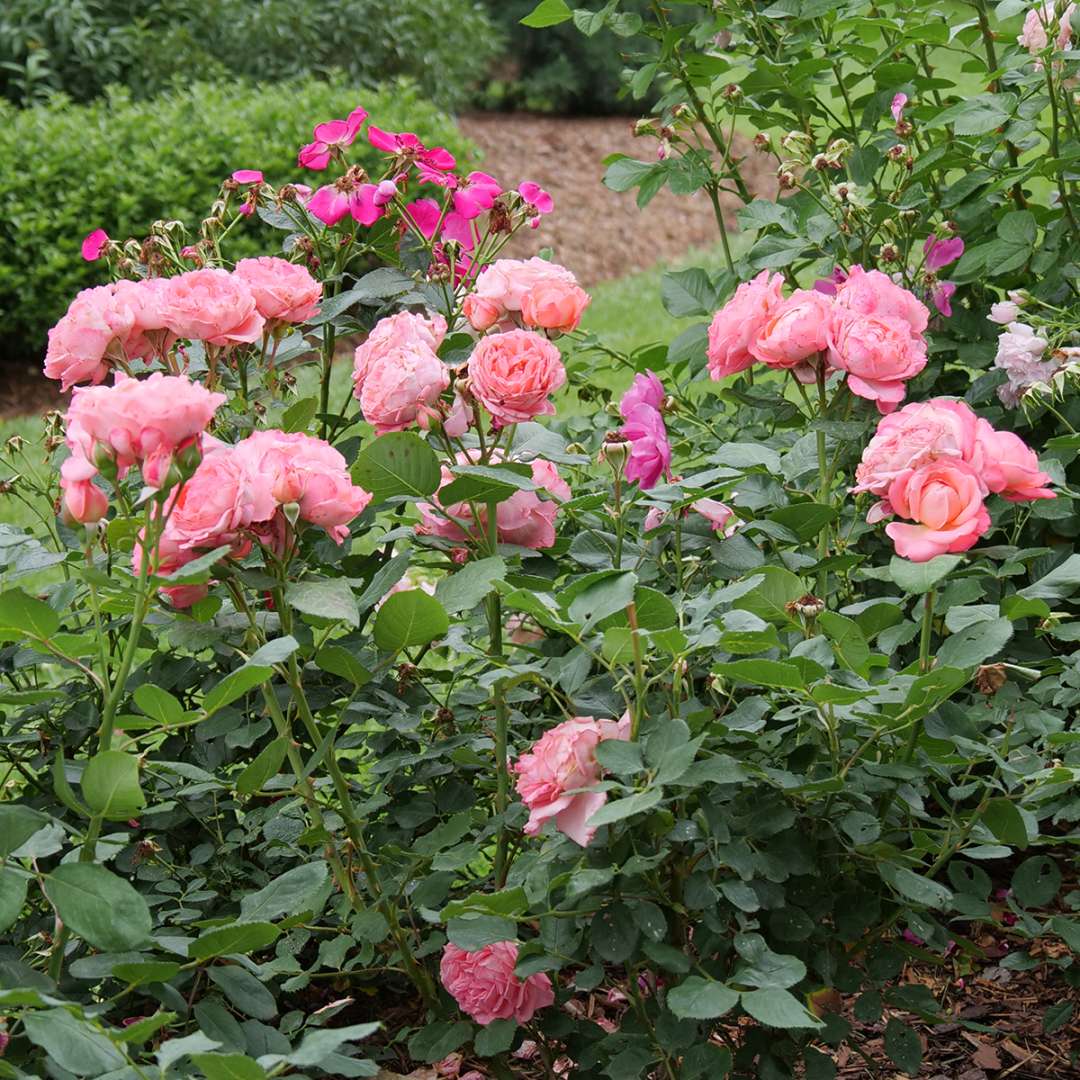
[739,321]
[284,292]
[459,419]
[562,761]
[1009,467]
[80,341]
[870,292]
[402,386]
[83,500]
[646,389]
[482,312]
[650,451]
[554,305]
[212,306]
[331,136]
[364,203]
[403,331]
[719,515]
[1004,312]
[485,987]
[138,309]
[512,375]
[406,145]
[796,330]
[944,499]
[473,195]
[501,290]
[94,244]
[897,106]
[1038,20]
[879,353]
[1020,354]
[139,420]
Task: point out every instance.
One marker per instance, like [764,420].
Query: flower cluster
[533,293]
[934,463]
[871,330]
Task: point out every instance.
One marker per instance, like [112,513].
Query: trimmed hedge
[67,169]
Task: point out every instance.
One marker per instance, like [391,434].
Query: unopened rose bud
[786,179]
[291,511]
[385,192]
[614,451]
[732,91]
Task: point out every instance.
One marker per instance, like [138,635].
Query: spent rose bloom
[1020,353]
[650,451]
[513,374]
[944,500]
[284,292]
[794,331]
[562,761]
[646,389]
[485,987]
[738,322]
[870,292]
[1008,466]
[554,305]
[406,330]
[330,137]
[401,387]
[879,353]
[211,305]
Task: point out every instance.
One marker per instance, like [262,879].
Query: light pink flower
[941,294]
[284,292]
[213,306]
[1004,312]
[94,244]
[83,500]
[1041,18]
[870,292]
[897,106]
[794,331]
[405,330]
[330,137]
[513,374]
[1008,466]
[944,499]
[401,386]
[650,451]
[460,417]
[1020,353]
[880,353]
[560,763]
[166,559]
[554,305]
[739,321]
[502,288]
[646,389]
[719,515]
[485,987]
[406,145]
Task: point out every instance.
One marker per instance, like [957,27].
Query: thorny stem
[502,723]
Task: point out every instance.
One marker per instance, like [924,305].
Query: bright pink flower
[1008,466]
[406,145]
[213,306]
[646,389]
[427,215]
[83,501]
[738,322]
[404,331]
[719,515]
[879,352]
[537,200]
[796,330]
[477,194]
[485,987]
[284,292]
[650,451]
[513,375]
[941,295]
[248,176]
[870,292]
[94,244]
[897,106]
[944,499]
[560,763]
[331,136]
[347,196]
[939,253]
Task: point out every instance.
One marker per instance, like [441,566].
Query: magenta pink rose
[1008,466]
[738,322]
[796,330]
[646,389]
[485,987]
[213,306]
[513,374]
[405,330]
[83,501]
[879,353]
[944,499]
[554,305]
[402,387]
[870,292]
[562,761]
[650,451]
[284,292]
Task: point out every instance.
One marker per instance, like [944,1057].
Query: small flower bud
[807,606]
[889,253]
[762,142]
[614,451]
[732,92]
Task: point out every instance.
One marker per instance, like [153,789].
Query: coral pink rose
[562,761]
[739,321]
[83,501]
[482,312]
[944,499]
[502,288]
[870,292]
[1009,467]
[796,330]
[879,353]
[284,292]
[405,330]
[485,987]
[554,305]
[213,306]
[512,375]
[401,387]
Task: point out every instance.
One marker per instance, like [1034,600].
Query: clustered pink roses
[933,463]
[533,293]
[871,330]
[485,987]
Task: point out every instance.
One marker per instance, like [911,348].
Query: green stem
[823,480]
[638,710]
[502,725]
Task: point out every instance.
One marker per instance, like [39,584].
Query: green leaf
[978,115]
[915,887]
[1057,1016]
[612,592]
[778,1008]
[903,1046]
[1005,821]
[294,891]
[435,1041]
[547,13]
[771,595]
[239,938]
[464,589]
[975,644]
[103,909]
[234,685]
[1062,581]
[228,1066]
[472,932]
[62,788]
[338,660]
[12,896]
[409,618]
[624,808]
[265,766]
[245,992]
[299,414]
[275,651]
[764,968]
[398,463]
[159,704]
[74,1044]
[774,673]
[1036,881]
[110,785]
[329,598]
[696,998]
[22,614]
[197,571]
[506,902]
[686,293]
[806,520]
[17,824]
[318,1045]
[495,1038]
[921,577]
[848,643]
[145,971]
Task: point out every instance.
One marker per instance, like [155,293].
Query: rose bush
[358,718]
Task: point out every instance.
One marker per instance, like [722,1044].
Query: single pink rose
[646,389]
[879,353]
[796,330]
[138,308]
[513,374]
[330,137]
[284,292]
[562,761]
[501,290]
[1039,20]
[738,322]
[83,500]
[482,313]
[944,499]
[650,451]
[401,386]
[405,144]
[554,305]
[485,987]
[1009,467]
[870,292]
[80,341]
[404,331]
[213,306]
[719,515]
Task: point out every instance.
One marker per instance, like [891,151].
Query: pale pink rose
[83,501]
[402,386]
[879,353]
[646,389]
[795,330]
[560,762]
[284,292]
[719,515]
[1021,355]
[654,518]
[485,987]
[554,305]
[1004,312]
[1009,467]
[738,322]
[512,375]
[138,314]
[78,343]
[870,292]
[213,306]
[139,420]
[920,432]
[944,499]
[502,287]
[1039,20]
[460,417]
[405,330]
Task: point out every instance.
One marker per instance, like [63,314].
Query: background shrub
[119,164]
